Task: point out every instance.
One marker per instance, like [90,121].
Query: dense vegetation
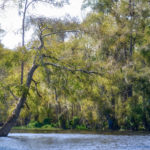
[92,75]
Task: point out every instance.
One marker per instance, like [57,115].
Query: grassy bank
[34,128]
[76,131]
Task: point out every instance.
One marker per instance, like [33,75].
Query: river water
[61,141]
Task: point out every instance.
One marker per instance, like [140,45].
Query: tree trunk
[4,131]
[23,38]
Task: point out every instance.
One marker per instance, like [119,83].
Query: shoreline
[73,131]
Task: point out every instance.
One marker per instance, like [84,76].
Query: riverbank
[23,129]
[74,131]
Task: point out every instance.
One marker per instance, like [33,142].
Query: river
[74,141]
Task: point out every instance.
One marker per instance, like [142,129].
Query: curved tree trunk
[4,131]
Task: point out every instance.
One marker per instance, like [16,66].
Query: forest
[93,74]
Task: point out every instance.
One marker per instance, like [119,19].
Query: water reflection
[61,141]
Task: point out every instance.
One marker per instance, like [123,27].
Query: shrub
[81,127]
[47,126]
[75,122]
[63,123]
[34,124]
[47,121]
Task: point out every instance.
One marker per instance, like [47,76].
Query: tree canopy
[93,74]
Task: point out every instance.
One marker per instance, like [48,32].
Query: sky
[11,22]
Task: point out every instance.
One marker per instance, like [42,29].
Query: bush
[81,127]
[75,122]
[34,124]
[47,126]
[47,121]
[55,125]
[63,123]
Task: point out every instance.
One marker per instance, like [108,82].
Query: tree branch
[58,32]
[51,2]
[16,98]
[48,56]
[35,82]
[72,70]
[30,3]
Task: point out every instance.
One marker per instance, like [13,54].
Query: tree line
[92,74]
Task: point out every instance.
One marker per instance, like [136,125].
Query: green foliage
[75,122]
[97,77]
[81,127]
[63,123]
[35,124]
[47,121]
[47,126]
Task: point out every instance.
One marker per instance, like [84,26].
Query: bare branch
[51,57]
[11,92]
[16,98]
[89,72]
[72,70]
[36,83]
[3,4]
[58,4]
[58,32]
[58,66]
[30,3]
[27,105]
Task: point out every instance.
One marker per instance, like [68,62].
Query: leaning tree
[45,28]
[23,7]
